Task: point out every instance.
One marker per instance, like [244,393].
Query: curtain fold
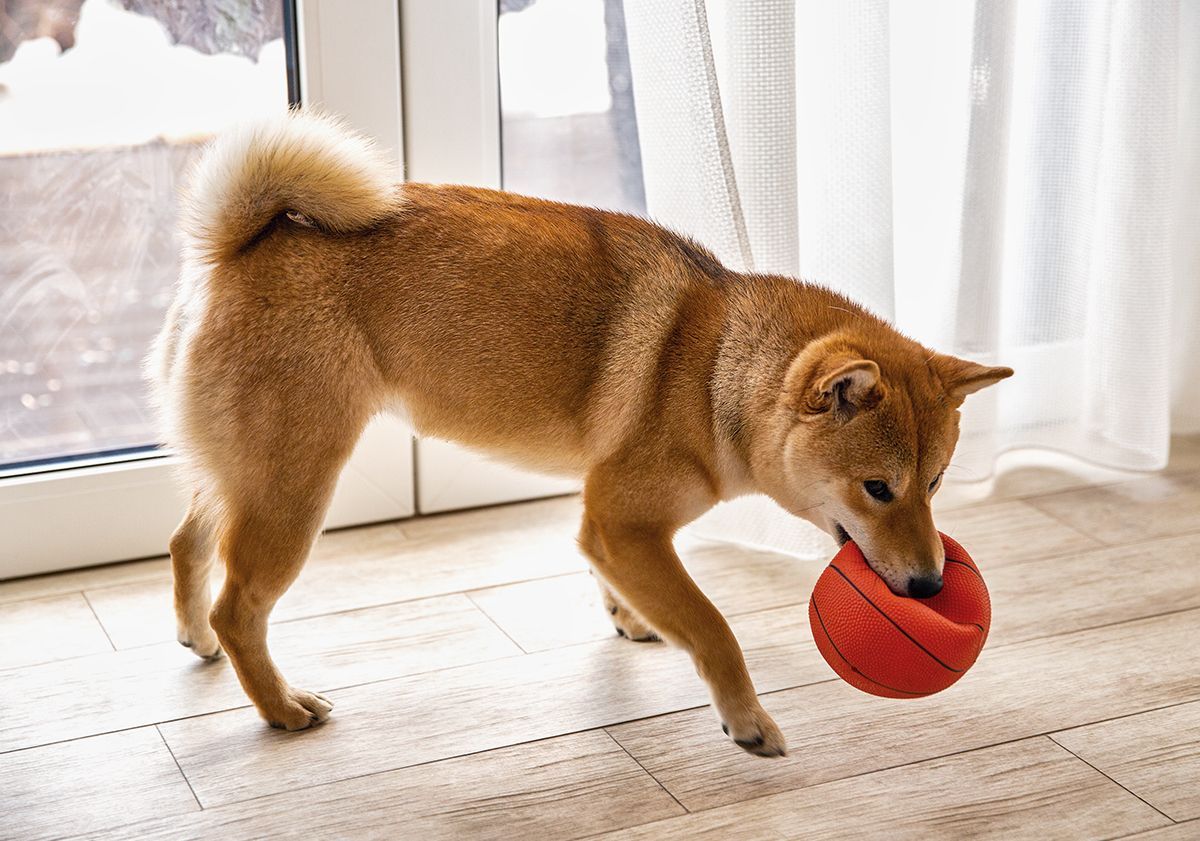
[1017,183]
[1185,303]
[687,166]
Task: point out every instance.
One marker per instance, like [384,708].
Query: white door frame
[84,515]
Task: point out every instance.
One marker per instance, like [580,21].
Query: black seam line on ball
[975,573]
[936,659]
[817,610]
[965,566]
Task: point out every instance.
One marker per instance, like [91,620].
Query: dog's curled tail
[304,162]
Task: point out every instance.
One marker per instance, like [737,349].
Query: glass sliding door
[568,126]
[103,105]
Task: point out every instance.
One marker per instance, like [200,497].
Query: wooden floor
[481,692]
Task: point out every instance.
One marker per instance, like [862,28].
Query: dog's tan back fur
[316,293]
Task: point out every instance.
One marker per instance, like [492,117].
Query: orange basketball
[896,646]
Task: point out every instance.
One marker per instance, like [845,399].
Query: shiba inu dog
[316,292]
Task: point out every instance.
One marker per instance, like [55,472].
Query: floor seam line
[670,794]
[1136,833]
[1110,779]
[99,621]
[182,773]
[496,624]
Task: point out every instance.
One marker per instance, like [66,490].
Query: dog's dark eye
[879,490]
[935,481]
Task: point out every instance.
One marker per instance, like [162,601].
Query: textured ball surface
[895,646]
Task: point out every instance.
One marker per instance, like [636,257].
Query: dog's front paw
[754,731]
[297,710]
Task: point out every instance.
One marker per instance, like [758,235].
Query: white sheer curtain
[1018,183]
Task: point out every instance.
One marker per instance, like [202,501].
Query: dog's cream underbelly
[556,452]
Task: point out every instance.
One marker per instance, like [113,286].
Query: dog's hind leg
[274,467]
[264,544]
[267,532]
[192,547]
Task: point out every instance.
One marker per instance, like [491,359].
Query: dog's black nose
[922,587]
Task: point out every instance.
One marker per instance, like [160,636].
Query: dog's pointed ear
[841,384]
[962,376]
[850,387]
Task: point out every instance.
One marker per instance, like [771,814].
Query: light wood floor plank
[728,824]
[139,613]
[1115,584]
[381,726]
[1013,692]
[61,583]
[50,628]
[553,612]
[90,784]
[358,568]
[999,533]
[1027,789]
[121,689]
[1186,831]
[1155,754]
[1158,506]
[1029,597]
[550,613]
[561,788]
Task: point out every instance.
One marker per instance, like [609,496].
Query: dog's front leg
[640,564]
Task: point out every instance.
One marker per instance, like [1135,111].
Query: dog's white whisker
[809,508]
[971,474]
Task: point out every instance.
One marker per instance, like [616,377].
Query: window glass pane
[102,105]
[568,123]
